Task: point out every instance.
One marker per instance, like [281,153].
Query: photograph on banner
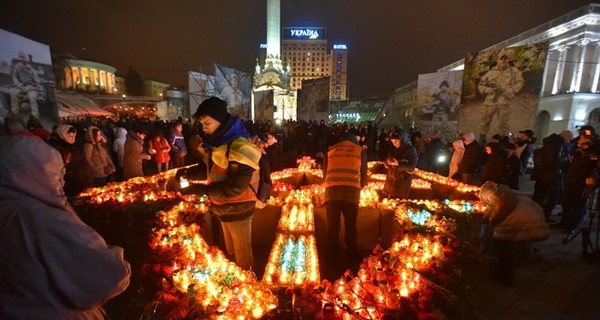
[27,87]
[263,105]
[313,100]
[438,99]
[201,86]
[501,90]
[234,87]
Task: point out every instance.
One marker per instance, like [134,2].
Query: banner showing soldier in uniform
[234,87]
[26,80]
[501,90]
[263,105]
[438,98]
[313,100]
[201,87]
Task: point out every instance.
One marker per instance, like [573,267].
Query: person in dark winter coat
[471,159]
[233,164]
[272,149]
[134,153]
[494,162]
[400,163]
[512,168]
[581,178]
[96,154]
[178,146]
[547,170]
[525,146]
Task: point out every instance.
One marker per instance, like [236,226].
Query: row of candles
[293,260]
[385,278]
[204,273]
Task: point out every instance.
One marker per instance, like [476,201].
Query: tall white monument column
[273,29]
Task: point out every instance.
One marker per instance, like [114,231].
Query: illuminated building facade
[88,76]
[306,52]
[296,55]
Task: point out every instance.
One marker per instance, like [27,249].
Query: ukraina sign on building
[305,33]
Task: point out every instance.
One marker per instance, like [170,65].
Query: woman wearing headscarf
[53,265]
[64,142]
[101,165]
[133,152]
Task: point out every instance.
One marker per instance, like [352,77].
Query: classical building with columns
[570,95]
[84,75]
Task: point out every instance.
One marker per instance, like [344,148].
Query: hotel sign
[305,33]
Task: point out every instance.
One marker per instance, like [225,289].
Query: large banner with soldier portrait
[438,98]
[501,90]
[234,87]
[201,87]
[313,100]
[264,107]
[26,80]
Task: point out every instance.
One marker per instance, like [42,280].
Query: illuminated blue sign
[263,46]
[340,47]
[305,33]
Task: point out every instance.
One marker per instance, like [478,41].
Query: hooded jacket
[97,156]
[513,216]
[52,265]
[399,178]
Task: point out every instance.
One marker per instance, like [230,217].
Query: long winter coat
[97,156]
[472,158]
[399,178]
[512,215]
[53,266]
[133,154]
[494,165]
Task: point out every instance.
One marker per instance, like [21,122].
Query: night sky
[390,42]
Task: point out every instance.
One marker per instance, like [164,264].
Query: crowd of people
[96,151]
